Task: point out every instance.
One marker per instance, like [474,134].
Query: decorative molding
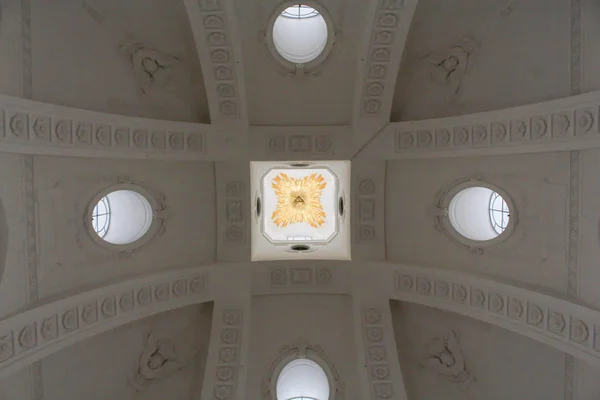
[235,222]
[573,247]
[30,125]
[220,62]
[31,230]
[228,361]
[30,128]
[38,380]
[26,84]
[365,211]
[387,37]
[560,323]
[378,367]
[32,335]
[299,277]
[302,144]
[566,124]
[573,256]
[576,30]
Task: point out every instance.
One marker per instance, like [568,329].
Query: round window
[479,213]
[299,36]
[302,379]
[121,217]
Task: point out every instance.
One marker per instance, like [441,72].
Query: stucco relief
[159,359]
[446,359]
[151,67]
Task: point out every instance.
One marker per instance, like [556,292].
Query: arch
[562,324]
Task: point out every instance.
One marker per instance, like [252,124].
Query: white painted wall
[514,60]
[64,188]
[324,320]
[100,368]
[538,185]
[78,58]
[324,99]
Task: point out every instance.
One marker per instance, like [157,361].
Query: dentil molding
[558,322]
[566,124]
[228,361]
[380,379]
[212,23]
[37,128]
[38,332]
[387,32]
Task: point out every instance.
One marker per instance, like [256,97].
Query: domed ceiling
[299,190]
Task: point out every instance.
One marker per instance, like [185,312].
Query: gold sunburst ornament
[299,200]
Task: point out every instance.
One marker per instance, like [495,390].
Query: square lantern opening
[301,210]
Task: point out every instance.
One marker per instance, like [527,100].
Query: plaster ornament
[447,67]
[158,360]
[299,200]
[446,359]
[151,67]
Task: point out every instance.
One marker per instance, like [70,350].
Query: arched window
[300,34]
[121,217]
[302,379]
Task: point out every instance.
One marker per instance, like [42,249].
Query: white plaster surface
[324,320]
[101,367]
[515,58]
[538,184]
[65,186]
[503,365]
[79,59]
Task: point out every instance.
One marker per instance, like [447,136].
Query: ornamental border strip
[564,325]
[383,55]
[572,119]
[36,333]
[381,385]
[25,122]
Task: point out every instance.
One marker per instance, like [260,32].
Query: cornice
[566,124]
[557,321]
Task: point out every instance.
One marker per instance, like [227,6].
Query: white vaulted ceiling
[174,99]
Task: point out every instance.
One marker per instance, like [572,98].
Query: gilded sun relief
[299,200]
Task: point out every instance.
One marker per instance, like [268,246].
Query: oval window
[479,213]
[302,379]
[300,34]
[122,217]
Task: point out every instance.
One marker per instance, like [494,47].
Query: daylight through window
[302,379]
[499,213]
[300,34]
[121,217]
